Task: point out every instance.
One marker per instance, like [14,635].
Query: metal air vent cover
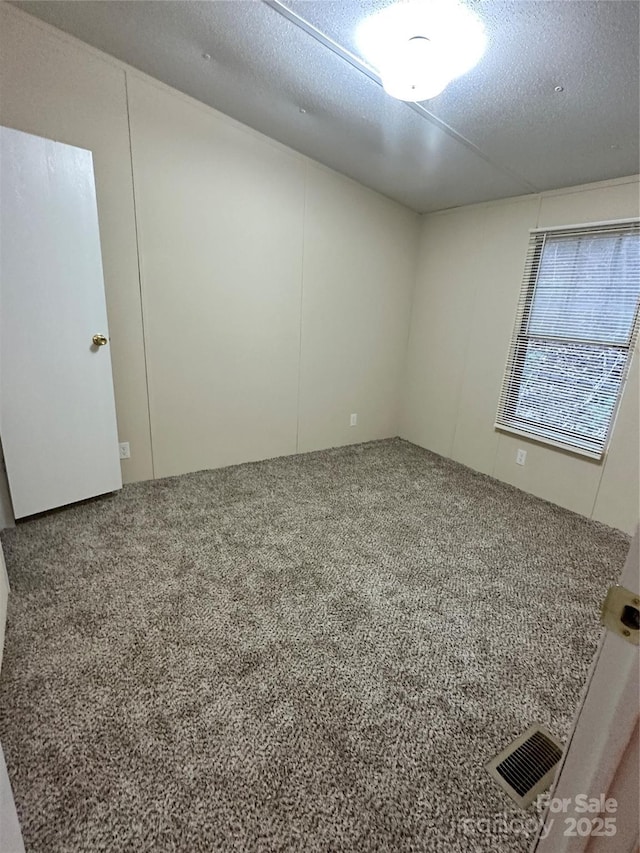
[526,767]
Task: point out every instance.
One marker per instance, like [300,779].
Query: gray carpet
[314,653]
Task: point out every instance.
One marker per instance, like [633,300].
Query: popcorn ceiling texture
[312,653]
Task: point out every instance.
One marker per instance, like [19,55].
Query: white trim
[540,196]
[632,220]
[534,436]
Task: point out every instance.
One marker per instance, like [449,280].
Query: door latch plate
[621,613]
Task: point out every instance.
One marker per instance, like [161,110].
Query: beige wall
[468,282]
[274,292]
[354,325]
[220,224]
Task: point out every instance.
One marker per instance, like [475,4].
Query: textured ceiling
[501,130]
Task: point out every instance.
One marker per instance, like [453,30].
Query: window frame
[520,338]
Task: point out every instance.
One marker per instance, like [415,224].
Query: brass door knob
[100,340]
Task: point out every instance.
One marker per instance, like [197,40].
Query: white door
[57,411]
[594,804]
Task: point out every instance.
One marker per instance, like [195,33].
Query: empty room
[319,424]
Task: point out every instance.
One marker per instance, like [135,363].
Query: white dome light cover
[418,48]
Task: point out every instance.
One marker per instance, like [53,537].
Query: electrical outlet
[354,420]
[125,452]
[521,457]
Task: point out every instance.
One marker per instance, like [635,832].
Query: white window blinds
[576,326]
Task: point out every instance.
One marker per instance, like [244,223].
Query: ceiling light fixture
[418,48]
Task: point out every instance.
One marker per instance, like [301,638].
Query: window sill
[594,455]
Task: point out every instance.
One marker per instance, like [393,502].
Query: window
[576,327]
